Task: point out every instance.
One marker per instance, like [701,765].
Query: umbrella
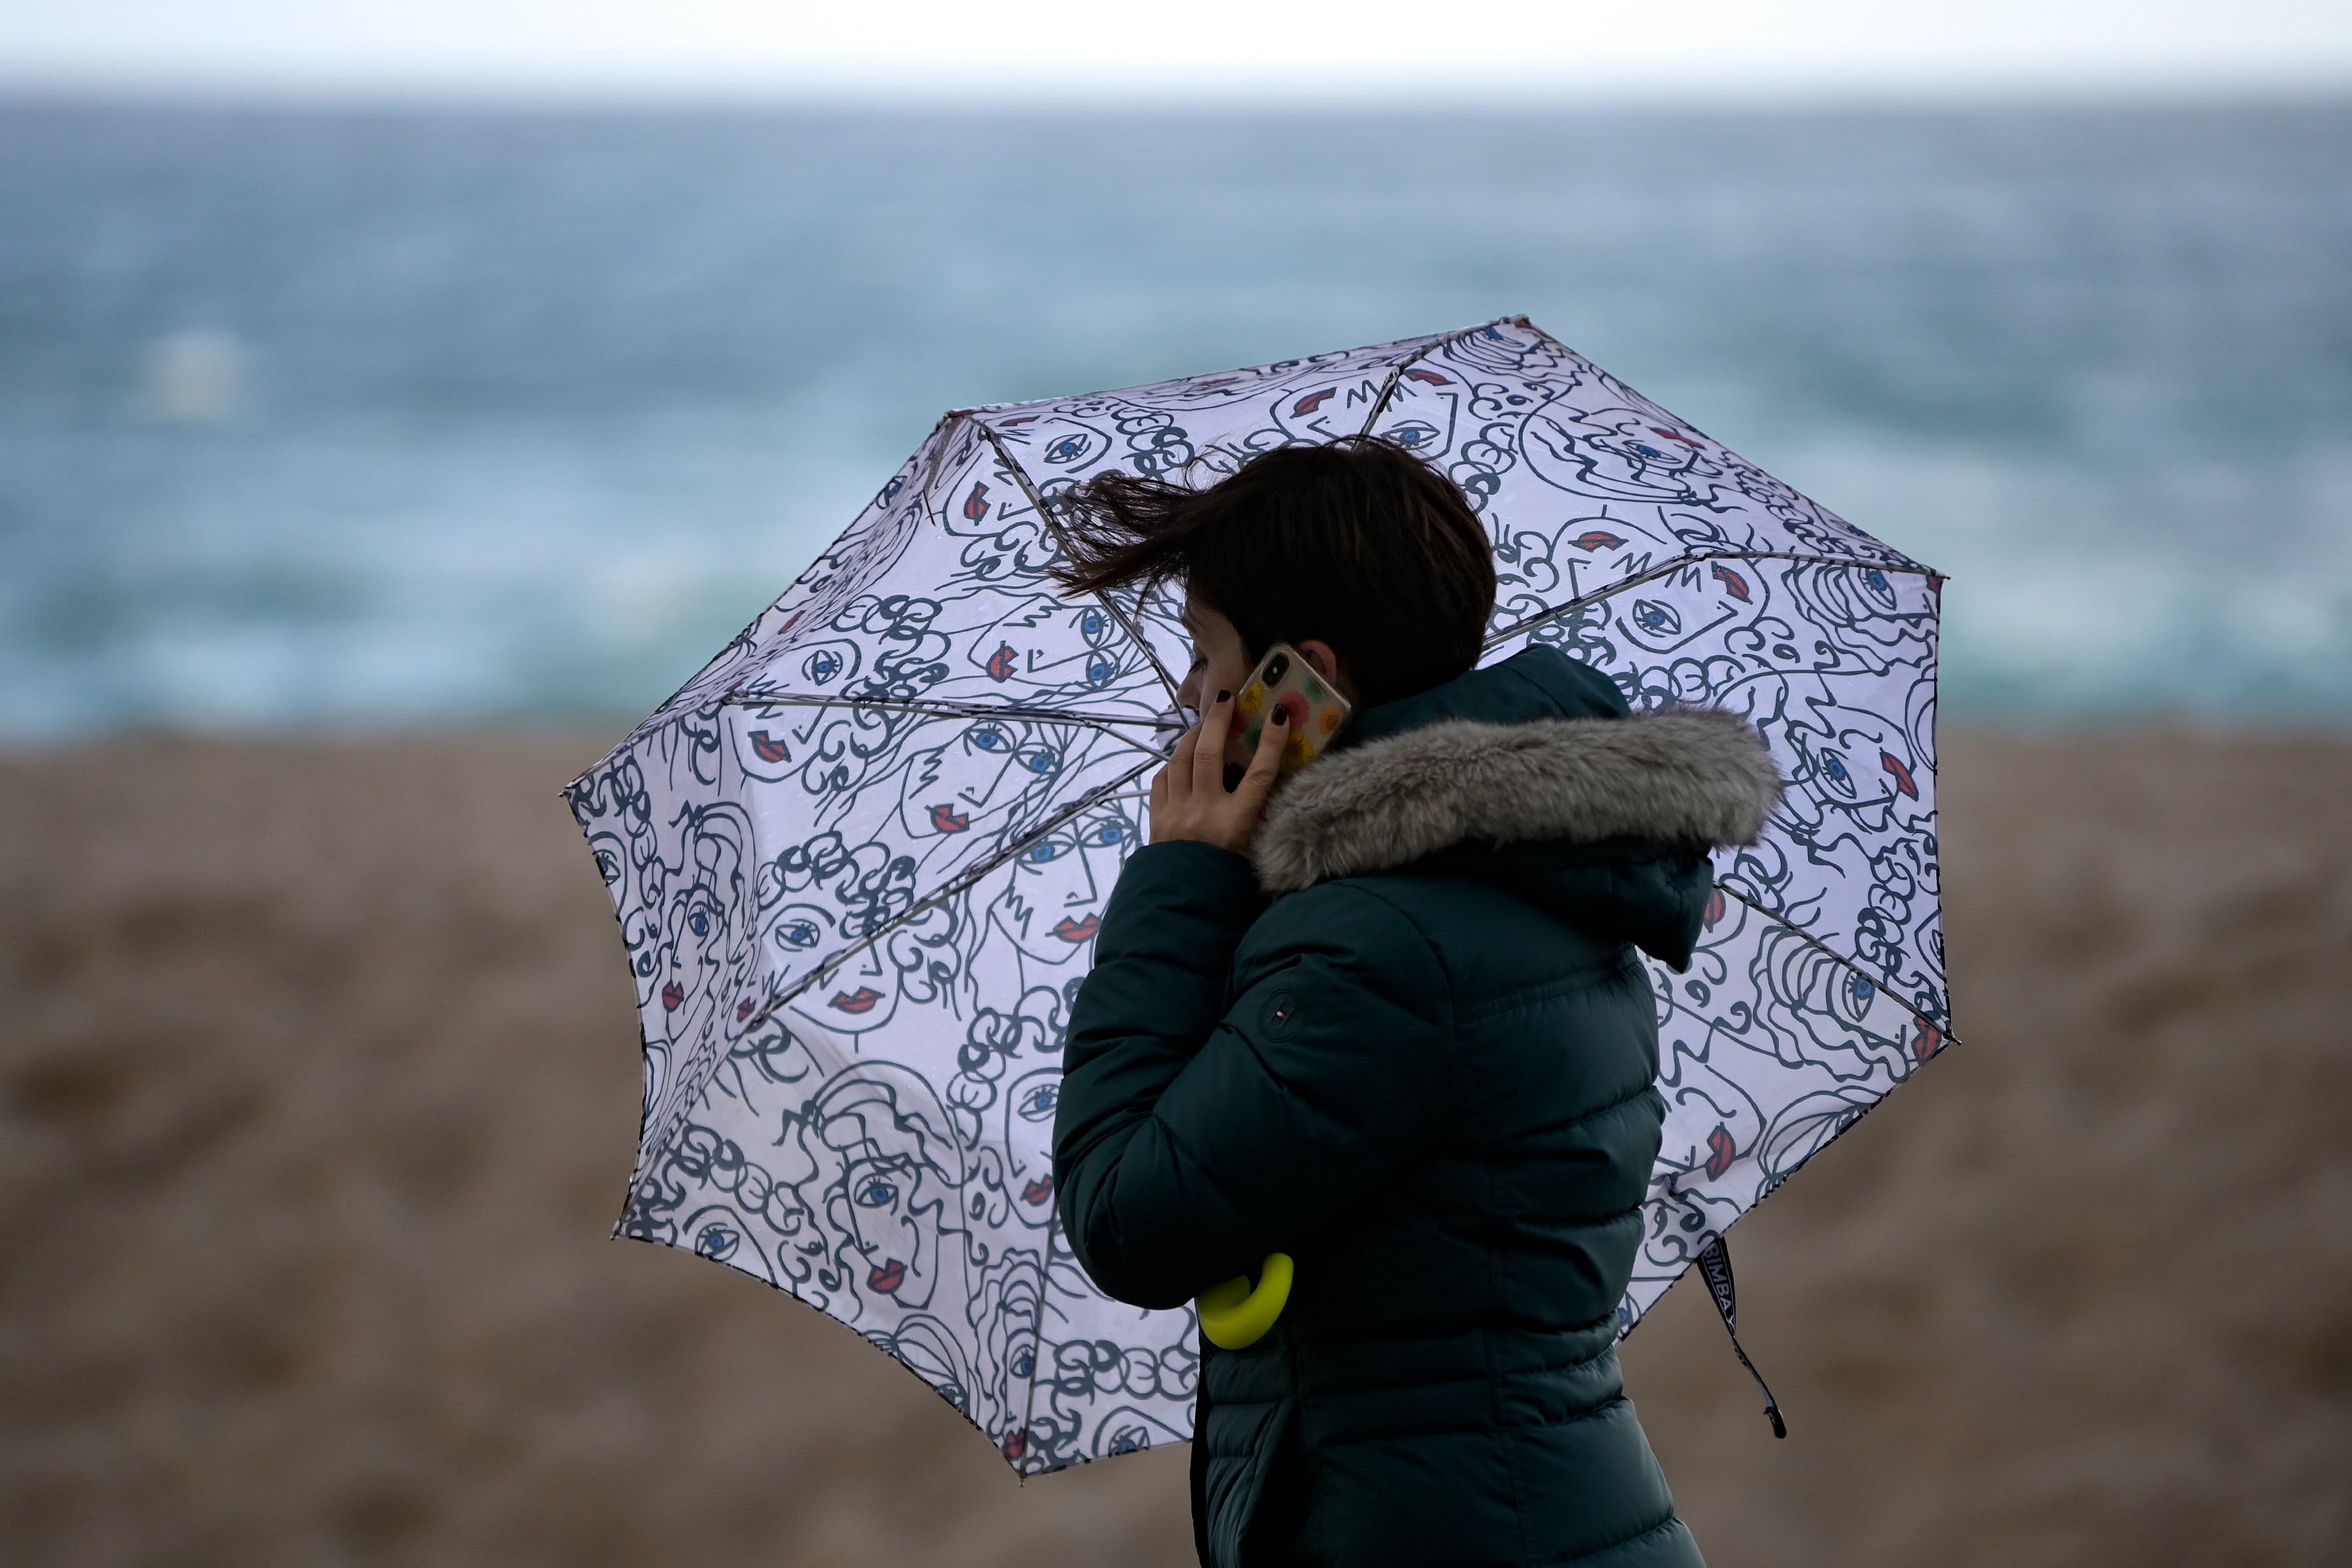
[859,858]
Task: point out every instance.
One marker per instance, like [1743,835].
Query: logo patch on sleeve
[1281,1012]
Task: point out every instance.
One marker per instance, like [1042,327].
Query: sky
[1375,51]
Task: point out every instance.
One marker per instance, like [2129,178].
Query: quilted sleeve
[1192,1141]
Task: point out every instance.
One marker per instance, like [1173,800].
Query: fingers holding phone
[1189,798]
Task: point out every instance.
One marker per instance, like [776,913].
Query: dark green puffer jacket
[1423,1068]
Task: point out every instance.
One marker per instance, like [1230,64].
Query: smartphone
[1284,680]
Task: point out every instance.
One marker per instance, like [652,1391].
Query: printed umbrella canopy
[858,860]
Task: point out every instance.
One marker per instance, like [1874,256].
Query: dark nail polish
[1225,696]
[1282,715]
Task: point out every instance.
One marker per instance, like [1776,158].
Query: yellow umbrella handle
[1236,1316]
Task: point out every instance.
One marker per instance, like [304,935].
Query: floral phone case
[1283,679]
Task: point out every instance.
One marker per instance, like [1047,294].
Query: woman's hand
[1189,799]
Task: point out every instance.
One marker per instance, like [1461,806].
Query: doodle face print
[981,780]
[702,922]
[1857,764]
[858,998]
[818,899]
[1028,1132]
[884,1144]
[886,1214]
[1053,649]
[1052,906]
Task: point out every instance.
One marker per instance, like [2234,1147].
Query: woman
[1395,1029]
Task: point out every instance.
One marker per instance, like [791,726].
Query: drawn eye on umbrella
[1037,1106]
[720,1233]
[1653,622]
[803,928]
[1076,447]
[1854,994]
[1670,616]
[824,665]
[887,815]
[1828,765]
[608,851]
[1869,616]
[1420,414]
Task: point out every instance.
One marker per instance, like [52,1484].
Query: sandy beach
[318,1090]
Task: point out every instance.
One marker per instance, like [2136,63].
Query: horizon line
[1945,93]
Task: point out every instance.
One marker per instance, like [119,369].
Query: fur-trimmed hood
[1537,750]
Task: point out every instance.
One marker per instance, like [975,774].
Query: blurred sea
[342,417]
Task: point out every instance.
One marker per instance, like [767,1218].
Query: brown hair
[1358,542]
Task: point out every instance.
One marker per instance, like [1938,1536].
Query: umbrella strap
[1715,1263]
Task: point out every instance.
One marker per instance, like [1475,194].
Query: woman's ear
[1325,661]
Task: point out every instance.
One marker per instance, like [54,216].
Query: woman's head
[1358,545]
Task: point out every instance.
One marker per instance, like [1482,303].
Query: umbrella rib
[1109,724]
[1045,514]
[958,883]
[1396,373]
[1834,957]
[1682,563]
